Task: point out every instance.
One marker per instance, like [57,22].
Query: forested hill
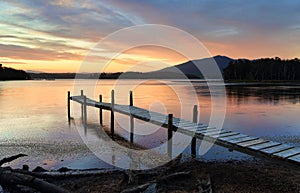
[263,69]
[12,74]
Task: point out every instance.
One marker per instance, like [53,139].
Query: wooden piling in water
[112,116]
[131,129]
[130,98]
[81,94]
[194,140]
[170,134]
[131,118]
[69,106]
[84,111]
[100,111]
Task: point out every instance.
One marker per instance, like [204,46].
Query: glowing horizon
[56,36]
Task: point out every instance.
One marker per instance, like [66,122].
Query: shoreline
[223,177]
[257,175]
[188,176]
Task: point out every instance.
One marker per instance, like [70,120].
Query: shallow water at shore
[33,117]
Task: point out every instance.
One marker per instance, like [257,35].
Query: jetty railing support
[194,140]
[170,134]
[112,116]
[131,118]
[100,111]
[130,98]
[81,94]
[85,111]
[69,106]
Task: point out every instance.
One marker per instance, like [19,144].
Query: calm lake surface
[33,117]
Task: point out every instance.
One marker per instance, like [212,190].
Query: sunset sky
[56,35]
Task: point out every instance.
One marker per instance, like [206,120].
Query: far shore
[264,82]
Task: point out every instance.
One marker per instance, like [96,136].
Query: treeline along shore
[265,69]
[117,75]
[12,74]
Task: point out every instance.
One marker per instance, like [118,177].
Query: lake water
[33,117]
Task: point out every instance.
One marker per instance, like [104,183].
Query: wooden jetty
[251,145]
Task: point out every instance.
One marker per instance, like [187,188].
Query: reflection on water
[269,111]
[33,117]
[275,95]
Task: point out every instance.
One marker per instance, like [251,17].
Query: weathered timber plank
[232,137]
[193,129]
[202,127]
[241,139]
[216,132]
[210,130]
[232,133]
[190,126]
[295,158]
[157,116]
[163,119]
[196,129]
[276,149]
[264,145]
[203,131]
[288,153]
[253,142]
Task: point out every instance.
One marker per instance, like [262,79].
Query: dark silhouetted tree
[263,69]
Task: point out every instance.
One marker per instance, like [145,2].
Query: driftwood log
[159,180]
[155,180]
[9,177]
[12,158]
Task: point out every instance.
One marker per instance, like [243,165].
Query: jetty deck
[251,145]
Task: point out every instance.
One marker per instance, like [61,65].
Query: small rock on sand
[39,169]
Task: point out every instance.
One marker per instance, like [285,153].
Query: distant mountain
[33,71]
[191,68]
[223,61]
[181,71]
[12,74]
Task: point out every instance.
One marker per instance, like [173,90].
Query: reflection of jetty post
[83,109]
[112,115]
[131,117]
[170,134]
[195,120]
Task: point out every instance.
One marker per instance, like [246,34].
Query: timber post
[112,116]
[131,118]
[69,106]
[170,134]
[81,94]
[194,142]
[130,98]
[85,110]
[100,111]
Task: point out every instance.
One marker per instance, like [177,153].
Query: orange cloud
[25,53]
